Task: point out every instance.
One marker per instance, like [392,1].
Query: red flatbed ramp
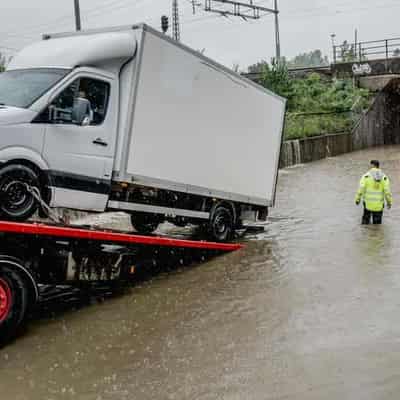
[71,232]
[54,264]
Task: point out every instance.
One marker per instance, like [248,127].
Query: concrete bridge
[373,75]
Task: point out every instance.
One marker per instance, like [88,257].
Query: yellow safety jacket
[374,190]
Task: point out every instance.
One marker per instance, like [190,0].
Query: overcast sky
[305,24]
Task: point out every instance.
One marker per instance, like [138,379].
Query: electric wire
[118,5]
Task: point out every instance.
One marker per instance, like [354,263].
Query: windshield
[21,88]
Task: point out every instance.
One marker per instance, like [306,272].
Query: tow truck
[35,255]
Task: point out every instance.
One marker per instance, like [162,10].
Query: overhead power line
[55,23]
[239,9]
[247,11]
[8,48]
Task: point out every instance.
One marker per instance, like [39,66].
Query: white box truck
[127,119]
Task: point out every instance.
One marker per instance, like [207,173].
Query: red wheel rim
[5,300]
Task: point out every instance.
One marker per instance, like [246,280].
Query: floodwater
[310,309]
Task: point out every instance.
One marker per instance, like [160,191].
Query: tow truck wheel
[145,223]
[13,302]
[221,225]
[16,203]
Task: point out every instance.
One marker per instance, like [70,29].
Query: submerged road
[310,309]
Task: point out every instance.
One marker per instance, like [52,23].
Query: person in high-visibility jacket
[374,190]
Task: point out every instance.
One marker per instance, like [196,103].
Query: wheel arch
[10,154]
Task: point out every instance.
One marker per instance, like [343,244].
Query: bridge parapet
[367,67]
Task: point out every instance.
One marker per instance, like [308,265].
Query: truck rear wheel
[13,301]
[221,225]
[145,223]
[16,203]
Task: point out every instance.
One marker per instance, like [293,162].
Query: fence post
[387,55]
[387,49]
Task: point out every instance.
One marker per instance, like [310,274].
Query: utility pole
[356,44]
[277,35]
[333,35]
[77,15]
[176,31]
[247,11]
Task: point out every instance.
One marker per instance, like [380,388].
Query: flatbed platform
[36,254]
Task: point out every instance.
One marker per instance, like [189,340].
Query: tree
[258,67]
[275,77]
[396,52]
[2,62]
[236,68]
[311,59]
[347,53]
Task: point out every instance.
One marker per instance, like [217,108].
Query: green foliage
[313,58]
[347,52]
[315,106]
[258,67]
[3,61]
[306,125]
[313,95]
[276,78]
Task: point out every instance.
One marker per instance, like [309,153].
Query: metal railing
[364,51]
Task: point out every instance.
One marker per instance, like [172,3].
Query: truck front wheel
[16,203]
[13,302]
[145,223]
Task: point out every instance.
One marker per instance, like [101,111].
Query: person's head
[374,163]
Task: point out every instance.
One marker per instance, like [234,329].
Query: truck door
[80,152]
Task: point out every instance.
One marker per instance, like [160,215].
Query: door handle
[100,142]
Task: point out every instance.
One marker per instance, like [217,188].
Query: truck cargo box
[198,127]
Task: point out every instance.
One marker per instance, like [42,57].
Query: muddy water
[310,309]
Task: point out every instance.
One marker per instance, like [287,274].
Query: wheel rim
[5,300]
[15,198]
[15,193]
[220,224]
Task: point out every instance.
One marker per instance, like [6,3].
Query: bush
[315,106]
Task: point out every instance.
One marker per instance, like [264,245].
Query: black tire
[145,223]
[16,203]
[13,302]
[221,226]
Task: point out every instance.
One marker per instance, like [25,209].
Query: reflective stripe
[374,193]
[373,196]
[373,200]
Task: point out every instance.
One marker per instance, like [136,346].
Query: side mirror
[81,111]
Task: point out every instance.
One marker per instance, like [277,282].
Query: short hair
[375,163]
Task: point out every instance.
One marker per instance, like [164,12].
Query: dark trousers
[376,217]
